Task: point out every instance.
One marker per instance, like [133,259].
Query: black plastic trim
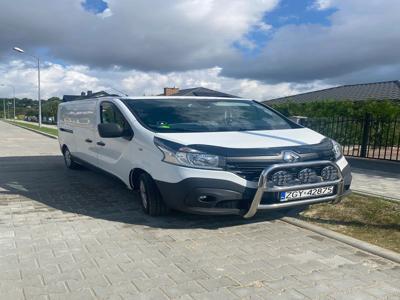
[66,130]
[95,168]
[173,146]
[324,147]
[183,195]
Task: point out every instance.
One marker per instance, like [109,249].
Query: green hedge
[330,108]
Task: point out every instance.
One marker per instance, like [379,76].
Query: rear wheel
[69,161]
[151,200]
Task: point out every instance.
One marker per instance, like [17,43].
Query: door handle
[88,141]
[101,144]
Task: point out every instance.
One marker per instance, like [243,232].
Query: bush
[383,109]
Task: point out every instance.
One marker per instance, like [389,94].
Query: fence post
[365,135]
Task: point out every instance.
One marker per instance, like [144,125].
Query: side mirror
[110,130]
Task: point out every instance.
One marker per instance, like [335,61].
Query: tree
[50,107]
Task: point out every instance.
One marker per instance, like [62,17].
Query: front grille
[248,170]
[252,170]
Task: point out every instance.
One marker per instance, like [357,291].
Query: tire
[68,160]
[150,197]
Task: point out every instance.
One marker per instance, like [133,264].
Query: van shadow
[45,187]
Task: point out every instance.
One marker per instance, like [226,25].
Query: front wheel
[151,200]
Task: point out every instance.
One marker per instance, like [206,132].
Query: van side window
[111,114]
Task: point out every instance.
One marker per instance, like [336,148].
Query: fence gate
[362,137]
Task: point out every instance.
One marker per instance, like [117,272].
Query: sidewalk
[377,178]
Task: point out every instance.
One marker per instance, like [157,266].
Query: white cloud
[262,26]
[55,79]
[106,13]
[58,80]
[322,4]
[258,90]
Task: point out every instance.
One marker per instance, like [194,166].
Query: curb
[375,195]
[367,247]
[33,130]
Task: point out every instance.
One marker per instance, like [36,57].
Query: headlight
[191,158]
[337,149]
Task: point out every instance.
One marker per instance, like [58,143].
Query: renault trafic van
[202,154]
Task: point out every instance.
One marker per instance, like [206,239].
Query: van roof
[158,98]
[181,98]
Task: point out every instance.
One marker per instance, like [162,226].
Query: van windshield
[205,115]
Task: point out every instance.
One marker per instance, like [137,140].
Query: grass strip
[370,219]
[48,130]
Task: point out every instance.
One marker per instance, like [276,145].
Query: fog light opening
[206,198]
[329,173]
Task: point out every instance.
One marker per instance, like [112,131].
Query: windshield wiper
[164,129]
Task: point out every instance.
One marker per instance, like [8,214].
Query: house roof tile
[387,90]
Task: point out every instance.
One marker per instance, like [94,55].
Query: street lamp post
[14,100]
[13,88]
[38,68]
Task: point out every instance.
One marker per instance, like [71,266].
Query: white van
[203,154]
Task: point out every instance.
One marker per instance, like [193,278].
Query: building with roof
[387,90]
[197,91]
[88,95]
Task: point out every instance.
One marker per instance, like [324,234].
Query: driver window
[111,114]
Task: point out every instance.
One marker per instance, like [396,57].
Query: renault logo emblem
[290,156]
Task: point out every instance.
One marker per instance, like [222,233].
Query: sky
[259,49]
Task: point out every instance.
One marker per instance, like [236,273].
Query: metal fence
[362,137]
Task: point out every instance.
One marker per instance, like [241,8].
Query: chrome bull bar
[265,186]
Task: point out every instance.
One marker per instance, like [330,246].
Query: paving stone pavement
[377,183]
[376,177]
[81,235]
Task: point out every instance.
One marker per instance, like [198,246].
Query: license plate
[309,193]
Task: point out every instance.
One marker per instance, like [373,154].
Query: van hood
[247,139]
[309,144]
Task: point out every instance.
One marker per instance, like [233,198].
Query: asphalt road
[78,234]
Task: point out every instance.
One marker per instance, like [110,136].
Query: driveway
[81,235]
[376,177]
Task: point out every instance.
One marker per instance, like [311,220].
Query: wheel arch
[134,177]
[63,147]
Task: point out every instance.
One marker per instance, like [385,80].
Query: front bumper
[265,186]
[217,196]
